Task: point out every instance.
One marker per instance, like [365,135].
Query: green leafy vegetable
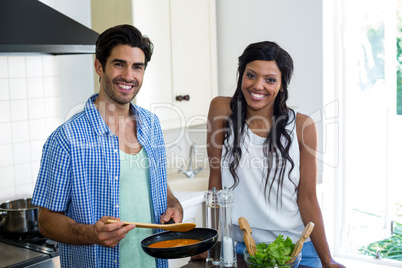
[389,248]
[276,253]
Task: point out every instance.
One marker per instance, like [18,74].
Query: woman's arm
[219,112]
[307,196]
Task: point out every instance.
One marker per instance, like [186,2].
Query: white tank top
[267,219]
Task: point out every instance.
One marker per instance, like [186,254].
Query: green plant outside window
[391,247]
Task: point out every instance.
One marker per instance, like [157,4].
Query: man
[106,162]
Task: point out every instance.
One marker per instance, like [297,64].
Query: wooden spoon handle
[248,239]
[139,224]
[181,227]
[299,244]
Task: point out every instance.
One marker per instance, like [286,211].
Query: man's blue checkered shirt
[79,175]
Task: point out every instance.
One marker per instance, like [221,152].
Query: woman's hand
[199,257]
[333,264]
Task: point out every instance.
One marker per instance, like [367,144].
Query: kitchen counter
[203,264]
[15,256]
[188,199]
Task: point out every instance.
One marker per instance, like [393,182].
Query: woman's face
[260,84]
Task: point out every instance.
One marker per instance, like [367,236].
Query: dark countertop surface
[203,264]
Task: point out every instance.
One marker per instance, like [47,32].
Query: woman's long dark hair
[273,147]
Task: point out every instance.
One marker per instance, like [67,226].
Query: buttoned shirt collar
[98,123]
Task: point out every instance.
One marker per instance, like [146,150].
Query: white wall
[29,112]
[36,93]
[76,71]
[296,26]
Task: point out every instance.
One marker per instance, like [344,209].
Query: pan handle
[3,217]
[170,222]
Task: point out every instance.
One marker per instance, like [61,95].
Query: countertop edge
[188,199]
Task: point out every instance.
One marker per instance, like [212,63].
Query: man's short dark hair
[124,34]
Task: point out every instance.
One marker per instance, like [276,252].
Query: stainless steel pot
[19,216]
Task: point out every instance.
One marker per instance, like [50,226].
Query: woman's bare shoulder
[303,120]
[220,106]
[306,129]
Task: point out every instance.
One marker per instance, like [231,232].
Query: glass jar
[212,221]
[228,251]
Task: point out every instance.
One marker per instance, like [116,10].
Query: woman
[265,152]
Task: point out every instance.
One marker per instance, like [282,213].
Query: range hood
[29,26]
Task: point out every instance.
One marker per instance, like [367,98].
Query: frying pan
[207,236]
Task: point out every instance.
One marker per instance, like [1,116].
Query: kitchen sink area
[183,184]
[190,193]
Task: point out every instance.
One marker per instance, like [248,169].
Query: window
[368,212]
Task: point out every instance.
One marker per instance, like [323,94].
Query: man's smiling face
[122,77]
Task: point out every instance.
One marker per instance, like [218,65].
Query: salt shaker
[228,251]
[212,217]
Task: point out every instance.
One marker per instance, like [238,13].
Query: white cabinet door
[184,61]
[152,18]
[193,56]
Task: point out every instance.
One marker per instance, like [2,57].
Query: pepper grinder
[212,218]
[228,251]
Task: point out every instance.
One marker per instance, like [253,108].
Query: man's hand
[109,235]
[59,227]
[175,214]
[174,210]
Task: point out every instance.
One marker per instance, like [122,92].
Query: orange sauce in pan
[174,243]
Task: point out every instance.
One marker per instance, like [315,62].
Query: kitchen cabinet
[195,214]
[184,62]
[193,206]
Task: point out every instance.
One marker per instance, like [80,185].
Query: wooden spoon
[248,239]
[176,227]
[299,244]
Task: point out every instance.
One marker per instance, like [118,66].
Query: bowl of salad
[273,254]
